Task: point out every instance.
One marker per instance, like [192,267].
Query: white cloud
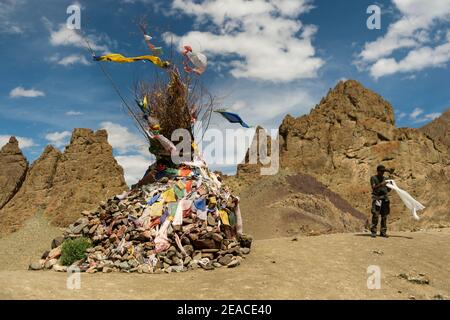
[134,166]
[122,140]
[264,40]
[266,104]
[74,113]
[70,60]
[7,10]
[401,115]
[415,60]
[417,115]
[412,33]
[58,139]
[24,143]
[20,92]
[63,36]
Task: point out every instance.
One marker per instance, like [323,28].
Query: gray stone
[245,250]
[233,264]
[419,279]
[176,261]
[57,242]
[187,260]
[133,263]
[124,265]
[177,268]
[35,266]
[77,229]
[167,260]
[225,260]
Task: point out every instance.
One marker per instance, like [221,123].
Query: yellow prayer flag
[169,195]
[116,57]
[224,217]
[156,209]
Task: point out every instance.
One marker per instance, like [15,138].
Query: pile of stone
[185,220]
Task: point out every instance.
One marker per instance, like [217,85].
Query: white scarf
[411,203]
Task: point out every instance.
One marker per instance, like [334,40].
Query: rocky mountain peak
[351,100]
[13,168]
[439,129]
[12,147]
[85,136]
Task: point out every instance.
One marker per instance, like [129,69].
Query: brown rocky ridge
[13,168]
[439,129]
[62,184]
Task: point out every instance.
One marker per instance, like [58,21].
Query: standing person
[380,202]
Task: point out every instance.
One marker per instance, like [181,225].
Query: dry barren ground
[322,267]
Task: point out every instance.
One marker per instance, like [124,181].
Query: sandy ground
[321,267]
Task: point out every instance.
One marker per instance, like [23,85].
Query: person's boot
[373,235]
[384,235]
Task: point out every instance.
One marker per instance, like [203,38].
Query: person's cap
[381,168]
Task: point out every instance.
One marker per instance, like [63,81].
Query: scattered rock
[50,263]
[45,255]
[59,268]
[417,279]
[57,242]
[54,253]
[35,266]
[233,263]
[225,260]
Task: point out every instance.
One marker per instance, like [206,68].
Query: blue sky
[266,59]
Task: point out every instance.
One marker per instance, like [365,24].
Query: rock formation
[348,134]
[439,129]
[62,185]
[34,193]
[13,168]
[86,174]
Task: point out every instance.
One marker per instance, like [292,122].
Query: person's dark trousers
[382,211]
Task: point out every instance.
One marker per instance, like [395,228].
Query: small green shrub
[73,250]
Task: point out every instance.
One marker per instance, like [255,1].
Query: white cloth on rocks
[411,203]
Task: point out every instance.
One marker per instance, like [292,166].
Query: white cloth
[199,60]
[411,203]
[161,240]
[239,228]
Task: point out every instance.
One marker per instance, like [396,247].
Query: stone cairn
[185,219]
